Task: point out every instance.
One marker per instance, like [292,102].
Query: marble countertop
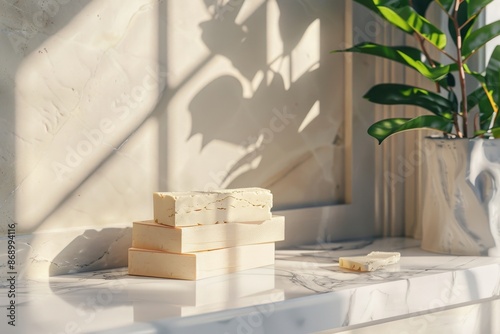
[305,291]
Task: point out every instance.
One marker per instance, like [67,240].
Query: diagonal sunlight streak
[113,103]
[60,148]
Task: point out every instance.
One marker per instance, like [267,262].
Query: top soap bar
[212,207]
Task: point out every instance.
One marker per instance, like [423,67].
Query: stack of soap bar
[197,235]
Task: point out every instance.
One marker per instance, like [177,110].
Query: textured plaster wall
[104,102]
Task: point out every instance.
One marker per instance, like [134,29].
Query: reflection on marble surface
[305,291]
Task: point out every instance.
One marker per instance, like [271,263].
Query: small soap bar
[213,207]
[370,262]
[150,235]
[197,265]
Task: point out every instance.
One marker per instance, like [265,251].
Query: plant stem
[461,72]
[420,40]
[457,127]
[469,20]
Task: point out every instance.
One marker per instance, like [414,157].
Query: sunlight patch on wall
[274,45]
[306,55]
[80,100]
[311,115]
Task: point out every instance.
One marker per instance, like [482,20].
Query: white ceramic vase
[461,196]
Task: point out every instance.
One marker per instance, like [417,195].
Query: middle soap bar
[212,207]
[150,235]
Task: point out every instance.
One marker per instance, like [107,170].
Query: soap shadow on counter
[94,250]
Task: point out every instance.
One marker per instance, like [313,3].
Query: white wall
[104,102]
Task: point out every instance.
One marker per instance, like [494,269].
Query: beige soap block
[370,262]
[199,265]
[221,206]
[150,235]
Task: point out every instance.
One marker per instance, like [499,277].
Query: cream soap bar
[150,235]
[370,262]
[197,265]
[221,206]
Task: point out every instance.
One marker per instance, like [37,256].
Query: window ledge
[305,291]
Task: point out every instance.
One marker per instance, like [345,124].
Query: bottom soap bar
[370,262]
[197,265]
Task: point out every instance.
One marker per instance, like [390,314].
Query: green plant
[450,113]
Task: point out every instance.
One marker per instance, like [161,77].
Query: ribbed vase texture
[461,197]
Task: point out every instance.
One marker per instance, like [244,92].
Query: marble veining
[305,291]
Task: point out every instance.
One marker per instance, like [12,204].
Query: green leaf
[493,74]
[491,83]
[400,14]
[475,97]
[388,52]
[447,4]
[447,81]
[423,27]
[479,37]
[450,80]
[387,127]
[395,19]
[434,73]
[474,6]
[398,94]
[421,6]
[479,77]
[479,98]
[485,112]
[495,132]
[452,98]
[405,55]
[374,4]
[391,3]
[493,68]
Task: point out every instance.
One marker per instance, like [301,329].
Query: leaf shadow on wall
[285,149]
[25,26]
